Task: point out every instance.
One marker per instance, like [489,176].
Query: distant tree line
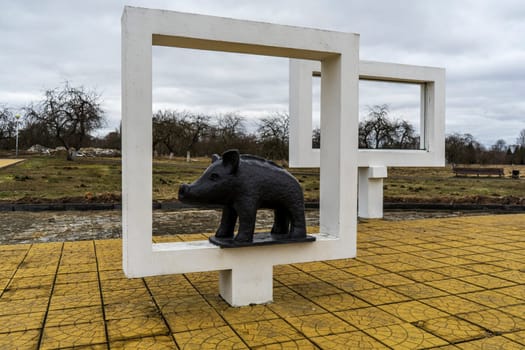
[465,149]
[69,116]
[176,133]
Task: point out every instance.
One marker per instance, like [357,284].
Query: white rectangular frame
[432,114]
[339,56]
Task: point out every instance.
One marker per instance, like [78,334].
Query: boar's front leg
[228,220]
[247,211]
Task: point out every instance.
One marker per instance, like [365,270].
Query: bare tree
[230,128]
[376,131]
[521,138]
[70,114]
[7,127]
[178,132]
[316,138]
[273,135]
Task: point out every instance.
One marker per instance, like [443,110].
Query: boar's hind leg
[298,226]
[228,220]
[281,223]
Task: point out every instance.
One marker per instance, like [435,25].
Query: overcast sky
[480,43]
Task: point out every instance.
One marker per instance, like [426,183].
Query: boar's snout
[183,191]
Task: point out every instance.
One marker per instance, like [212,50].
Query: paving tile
[455,271]
[352,284]
[453,304]
[315,289]
[513,276]
[370,317]
[210,338]
[31,282]
[352,340]
[130,295]
[379,296]
[135,328]
[422,275]
[21,322]
[301,344]
[119,284]
[145,343]
[452,329]
[487,281]
[389,279]
[26,293]
[319,325]
[313,266]
[418,291]
[20,340]
[297,278]
[405,336]
[484,268]
[285,269]
[194,302]
[398,267]
[66,278]
[518,337]
[412,311]
[492,298]
[429,254]
[193,319]
[492,343]
[363,270]
[202,276]
[78,268]
[516,310]
[509,265]
[22,306]
[266,332]
[495,320]
[482,258]
[454,261]
[247,314]
[454,286]
[73,335]
[294,305]
[130,310]
[60,302]
[112,274]
[74,316]
[76,288]
[339,302]
[206,287]
[343,263]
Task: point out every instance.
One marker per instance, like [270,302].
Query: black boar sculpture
[242,184]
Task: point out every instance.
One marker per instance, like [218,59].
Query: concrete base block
[246,285]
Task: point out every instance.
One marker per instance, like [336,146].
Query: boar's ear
[215,157]
[231,158]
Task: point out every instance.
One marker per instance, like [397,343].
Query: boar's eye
[214,177]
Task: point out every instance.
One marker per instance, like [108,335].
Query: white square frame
[245,273]
[432,80]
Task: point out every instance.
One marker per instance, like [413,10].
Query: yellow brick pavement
[8,162]
[456,283]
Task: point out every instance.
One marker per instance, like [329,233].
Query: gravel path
[52,226]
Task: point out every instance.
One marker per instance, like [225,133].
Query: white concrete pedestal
[370,204]
[244,285]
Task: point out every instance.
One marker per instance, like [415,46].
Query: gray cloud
[480,43]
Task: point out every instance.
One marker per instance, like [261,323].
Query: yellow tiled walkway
[439,283]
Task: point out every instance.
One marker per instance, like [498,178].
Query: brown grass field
[53,179]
